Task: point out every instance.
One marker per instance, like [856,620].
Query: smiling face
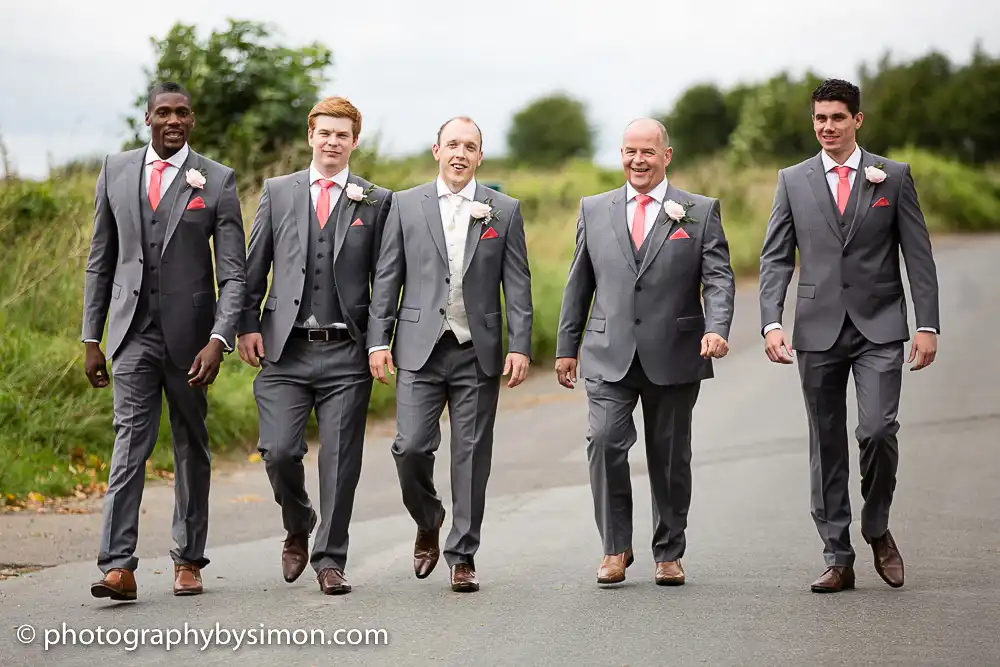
[332,140]
[645,155]
[836,129]
[170,120]
[459,152]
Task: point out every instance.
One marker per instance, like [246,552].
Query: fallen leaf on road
[254,458]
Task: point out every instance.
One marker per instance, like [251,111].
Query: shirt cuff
[225,343]
[377,348]
[91,340]
[930,329]
[771,326]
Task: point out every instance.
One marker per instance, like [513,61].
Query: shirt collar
[468,192]
[659,193]
[175,160]
[854,162]
[339,178]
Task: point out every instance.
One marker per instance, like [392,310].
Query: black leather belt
[320,335]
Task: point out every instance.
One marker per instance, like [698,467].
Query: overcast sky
[70,70]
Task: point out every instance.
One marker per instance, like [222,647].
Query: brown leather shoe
[669,573]
[332,581]
[888,562]
[463,579]
[295,553]
[426,549]
[117,584]
[187,579]
[835,579]
[612,570]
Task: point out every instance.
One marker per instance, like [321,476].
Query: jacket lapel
[660,228]
[474,232]
[865,195]
[432,215]
[821,192]
[180,203]
[619,223]
[133,191]
[301,202]
[346,215]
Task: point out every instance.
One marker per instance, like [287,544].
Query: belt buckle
[321,335]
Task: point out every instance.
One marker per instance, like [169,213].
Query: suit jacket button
[638,288]
[296,302]
[303,270]
[447,281]
[140,260]
[441,310]
[638,321]
[135,292]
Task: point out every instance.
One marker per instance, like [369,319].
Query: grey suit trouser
[667,412]
[878,375]
[331,377]
[452,376]
[142,372]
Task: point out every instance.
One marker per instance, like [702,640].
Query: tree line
[253,92]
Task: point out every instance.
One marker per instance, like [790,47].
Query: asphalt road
[752,547]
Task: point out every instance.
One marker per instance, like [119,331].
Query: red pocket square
[357,223]
[679,234]
[881,202]
[490,233]
[196,203]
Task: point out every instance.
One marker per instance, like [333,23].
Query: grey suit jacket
[654,309]
[188,310]
[856,272]
[280,238]
[414,258]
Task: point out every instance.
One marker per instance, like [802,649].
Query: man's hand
[777,348]
[95,366]
[251,347]
[206,365]
[377,363]
[566,371]
[714,346]
[517,366]
[924,349]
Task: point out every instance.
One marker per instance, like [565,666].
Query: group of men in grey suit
[368,283]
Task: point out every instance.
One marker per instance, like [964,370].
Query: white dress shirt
[340,184]
[176,162]
[659,193]
[832,179]
[455,217]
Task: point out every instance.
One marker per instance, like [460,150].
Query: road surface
[752,553]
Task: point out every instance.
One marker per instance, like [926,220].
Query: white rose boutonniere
[195,179]
[678,212]
[483,211]
[355,193]
[876,174]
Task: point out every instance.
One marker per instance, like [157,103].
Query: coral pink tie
[639,220]
[323,201]
[156,182]
[843,187]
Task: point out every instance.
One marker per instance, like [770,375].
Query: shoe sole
[181,593]
[465,588]
[338,590]
[669,582]
[105,592]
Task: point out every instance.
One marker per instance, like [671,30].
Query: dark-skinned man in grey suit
[151,277]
